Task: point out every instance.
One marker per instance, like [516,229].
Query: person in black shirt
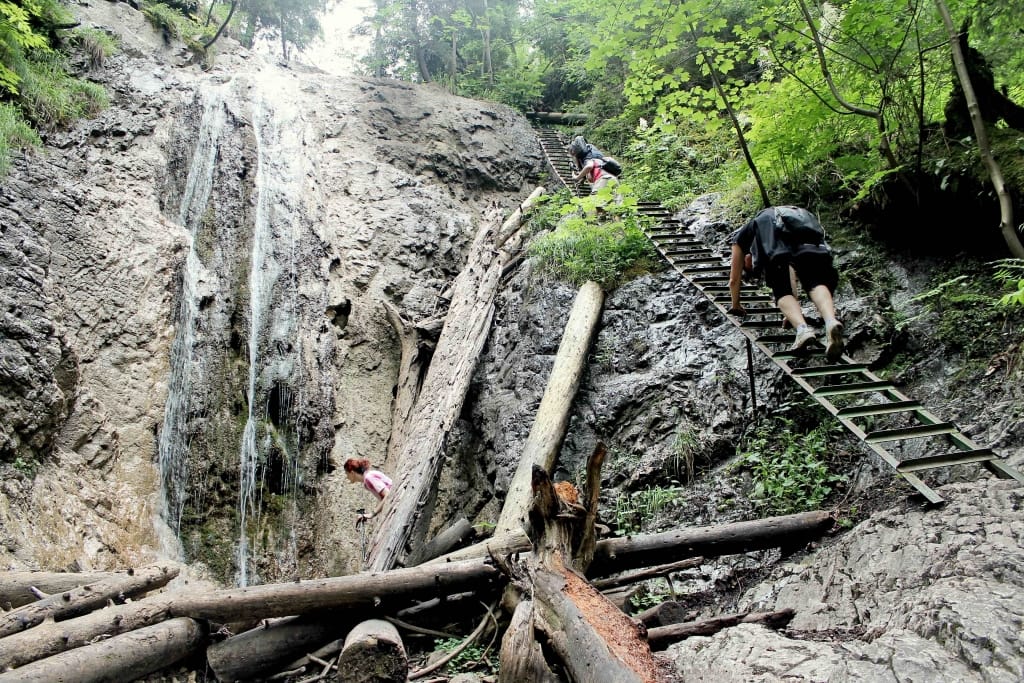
[774,241]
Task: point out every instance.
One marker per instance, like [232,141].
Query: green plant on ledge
[789,469]
[596,239]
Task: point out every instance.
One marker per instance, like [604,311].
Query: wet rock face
[366,191]
[38,372]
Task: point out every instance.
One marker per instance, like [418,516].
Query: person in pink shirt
[374,481]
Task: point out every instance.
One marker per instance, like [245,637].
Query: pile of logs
[105,627]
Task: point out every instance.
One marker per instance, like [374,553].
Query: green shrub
[50,97]
[96,44]
[789,468]
[15,133]
[602,242]
[472,658]
[635,509]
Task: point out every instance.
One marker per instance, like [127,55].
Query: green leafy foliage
[968,318]
[471,659]
[97,45]
[35,85]
[634,510]
[1010,272]
[15,133]
[596,239]
[789,466]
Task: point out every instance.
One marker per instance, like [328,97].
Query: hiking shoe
[834,340]
[804,336]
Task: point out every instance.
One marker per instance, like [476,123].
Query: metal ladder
[847,389]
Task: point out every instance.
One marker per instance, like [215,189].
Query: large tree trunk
[126,657]
[995,172]
[443,542]
[633,552]
[21,588]
[386,591]
[592,637]
[50,638]
[521,656]
[614,555]
[265,650]
[467,323]
[87,598]
[552,419]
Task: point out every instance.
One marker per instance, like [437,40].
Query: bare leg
[790,307]
[822,299]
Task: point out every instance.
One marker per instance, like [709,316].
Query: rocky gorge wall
[194,286]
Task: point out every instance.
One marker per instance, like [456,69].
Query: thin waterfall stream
[173,444]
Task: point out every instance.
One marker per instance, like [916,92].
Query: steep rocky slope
[362,191]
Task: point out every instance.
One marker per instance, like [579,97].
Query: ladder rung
[750,299]
[946,460]
[761,324]
[879,409]
[916,432]
[854,388]
[776,338]
[825,370]
[695,253]
[715,260]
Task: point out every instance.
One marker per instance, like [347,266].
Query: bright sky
[339,51]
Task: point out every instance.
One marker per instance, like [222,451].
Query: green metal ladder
[847,389]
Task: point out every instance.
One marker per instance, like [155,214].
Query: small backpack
[796,225]
[612,166]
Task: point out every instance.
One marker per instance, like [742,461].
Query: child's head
[357,465]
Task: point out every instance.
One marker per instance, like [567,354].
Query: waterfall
[173,444]
[273,337]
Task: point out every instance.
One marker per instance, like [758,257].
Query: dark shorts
[813,267]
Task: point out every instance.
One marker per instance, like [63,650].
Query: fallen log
[373,653]
[632,552]
[418,459]
[388,591]
[552,419]
[592,637]
[126,657]
[649,573]
[663,614]
[614,555]
[53,637]
[87,598]
[16,588]
[457,533]
[264,650]
[663,636]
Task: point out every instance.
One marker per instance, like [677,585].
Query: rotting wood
[373,653]
[87,598]
[16,588]
[663,636]
[417,343]
[521,656]
[418,460]
[592,637]
[126,657]
[53,637]
[553,413]
[263,650]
